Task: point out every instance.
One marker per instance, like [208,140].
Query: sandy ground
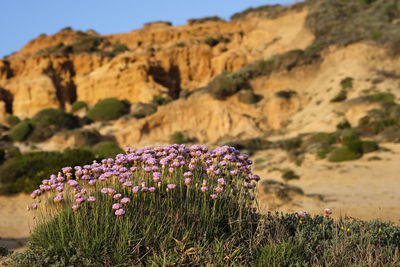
[15,221]
[363,188]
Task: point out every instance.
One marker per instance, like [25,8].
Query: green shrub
[211,41]
[120,48]
[25,172]
[347,83]
[286,94]
[324,152]
[343,125]
[383,97]
[106,149]
[342,95]
[78,105]
[280,255]
[57,118]
[87,43]
[227,84]
[343,154]
[12,120]
[203,20]
[40,133]
[369,146]
[161,100]
[178,138]
[271,11]
[155,228]
[288,174]
[325,139]
[107,109]
[21,131]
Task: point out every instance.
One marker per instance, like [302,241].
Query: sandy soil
[15,221]
[366,189]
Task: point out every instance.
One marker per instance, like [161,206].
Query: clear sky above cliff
[23,20]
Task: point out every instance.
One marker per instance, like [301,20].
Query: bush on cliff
[108,109]
[21,131]
[26,171]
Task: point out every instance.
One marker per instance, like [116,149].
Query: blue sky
[23,20]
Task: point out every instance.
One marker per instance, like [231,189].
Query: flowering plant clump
[146,200]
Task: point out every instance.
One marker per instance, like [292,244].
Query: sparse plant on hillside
[108,109]
[341,96]
[78,105]
[21,131]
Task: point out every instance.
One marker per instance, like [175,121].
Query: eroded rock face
[162,60]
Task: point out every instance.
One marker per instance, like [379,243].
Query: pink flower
[125,200]
[221,181]
[104,190]
[171,186]
[92,199]
[302,214]
[58,199]
[135,189]
[119,212]
[204,189]
[218,190]
[187,181]
[188,174]
[92,182]
[328,211]
[116,206]
[80,200]
[117,196]
[75,207]
[152,189]
[214,196]
[34,206]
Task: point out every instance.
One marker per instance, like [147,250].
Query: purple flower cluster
[170,168]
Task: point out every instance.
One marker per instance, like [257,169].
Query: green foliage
[227,84]
[342,95]
[106,149]
[347,83]
[343,154]
[211,41]
[87,43]
[161,100]
[4,252]
[40,133]
[12,120]
[271,11]
[205,19]
[346,22]
[168,23]
[383,97]
[288,174]
[57,118]
[78,105]
[325,139]
[108,109]
[178,138]
[25,172]
[324,152]
[21,131]
[280,255]
[120,48]
[343,125]
[286,94]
